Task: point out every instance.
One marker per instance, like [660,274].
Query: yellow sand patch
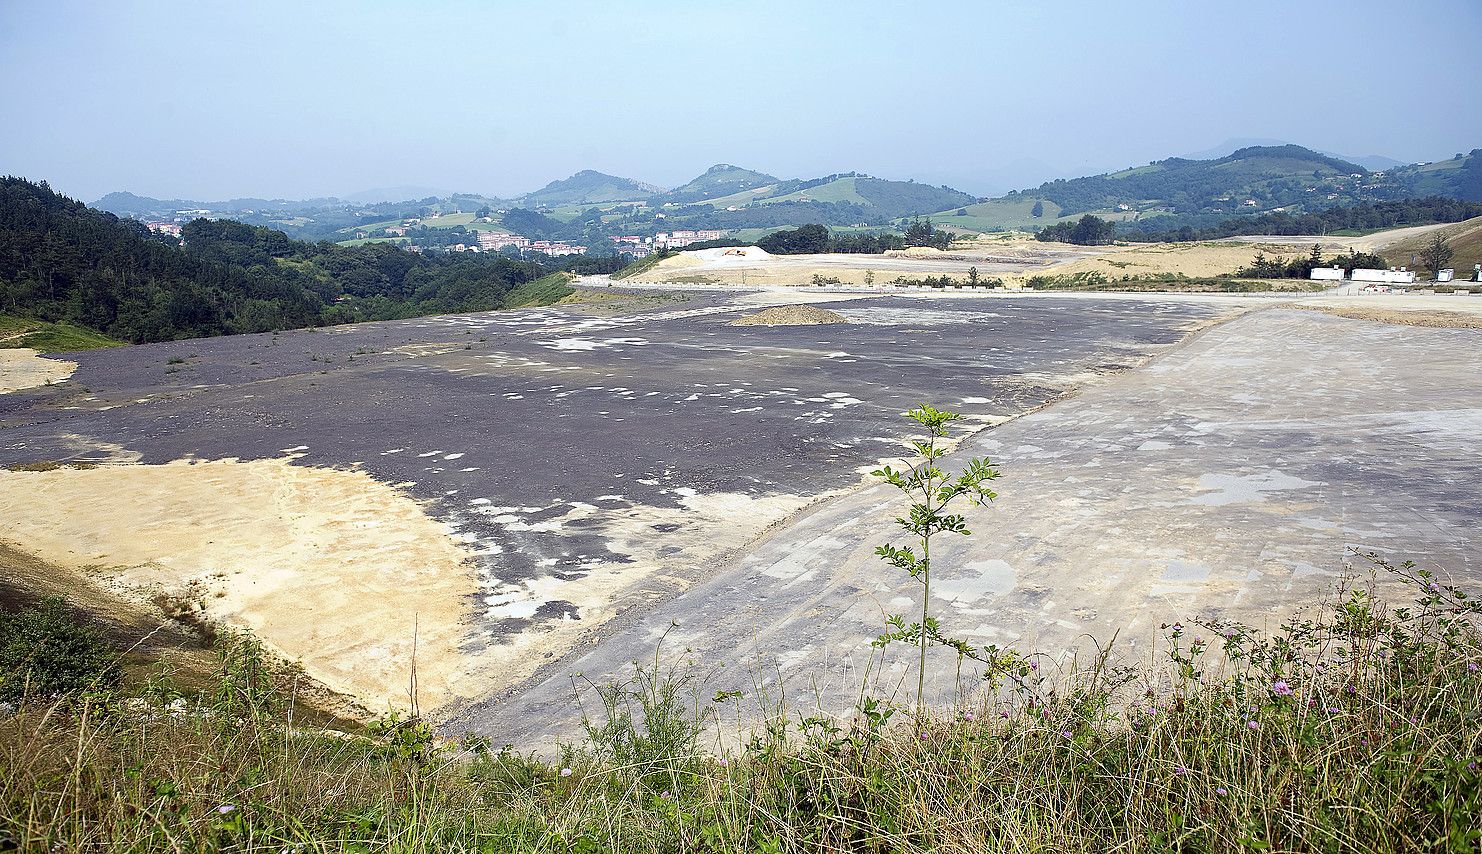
[1195,260]
[330,568]
[22,367]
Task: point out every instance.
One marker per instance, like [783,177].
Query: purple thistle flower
[225,808]
[1065,733]
[1252,724]
[1281,689]
[1220,790]
[1180,770]
[1471,667]
[565,772]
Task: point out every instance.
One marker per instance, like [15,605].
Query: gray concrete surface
[1230,477]
[630,453]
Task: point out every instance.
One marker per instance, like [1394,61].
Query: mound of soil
[791,315]
[1411,317]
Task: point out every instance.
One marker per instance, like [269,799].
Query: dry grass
[791,315]
[1356,731]
[1417,317]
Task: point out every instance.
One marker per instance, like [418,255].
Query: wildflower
[1034,665]
[1004,714]
[1220,790]
[1065,733]
[225,808]
[1281,689]
[724,763]
[967,716]
[1180,770]
[666,795]
[1471,667]
[565,772]
[1333,710]
[1252,724]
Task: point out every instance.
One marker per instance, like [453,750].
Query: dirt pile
[791,315]
[1438,319]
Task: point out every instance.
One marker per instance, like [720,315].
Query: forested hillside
[63,261]
[1266,175]
[1349,218]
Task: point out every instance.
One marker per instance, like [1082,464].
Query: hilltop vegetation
[1267,175]
[1213,198]
[1349,219]
[588,187]
[722,179]
[61,261]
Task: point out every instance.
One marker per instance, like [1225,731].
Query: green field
[840,190]
[50,337]
[1013,214]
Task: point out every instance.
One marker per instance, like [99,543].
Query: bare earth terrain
[519,496]
[503,484]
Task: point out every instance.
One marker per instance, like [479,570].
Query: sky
[208,100]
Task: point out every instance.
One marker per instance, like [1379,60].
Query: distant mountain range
[1199,192]
[1373,162]
[590,205]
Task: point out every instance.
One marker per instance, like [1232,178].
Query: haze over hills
[589,207]
[1248,181]
[1375,162]
[589,187]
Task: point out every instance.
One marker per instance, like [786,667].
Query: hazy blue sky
[209,100]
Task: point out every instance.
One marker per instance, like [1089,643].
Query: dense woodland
[63,261]
[1363,217]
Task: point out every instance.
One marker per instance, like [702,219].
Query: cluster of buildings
[640,247]
[493,241]
[170,228]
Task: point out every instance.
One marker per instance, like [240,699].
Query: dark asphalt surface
[507,416]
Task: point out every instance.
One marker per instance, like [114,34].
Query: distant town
[493,240]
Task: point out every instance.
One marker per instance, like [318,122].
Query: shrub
[45,651]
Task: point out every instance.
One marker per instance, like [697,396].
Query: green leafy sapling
[932,491]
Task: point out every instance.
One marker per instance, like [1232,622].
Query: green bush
[45,651]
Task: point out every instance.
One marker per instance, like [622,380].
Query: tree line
[63,261]
[1089,230]
[1369,216]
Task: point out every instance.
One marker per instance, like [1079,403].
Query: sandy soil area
[1439,319]
[23,367]
[329,567]
[790,315]
[1010,257]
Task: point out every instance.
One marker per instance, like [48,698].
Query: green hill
[589,187]
[720,180]
[1457,178]
[1260,177]
[1250,181]
[879,198]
